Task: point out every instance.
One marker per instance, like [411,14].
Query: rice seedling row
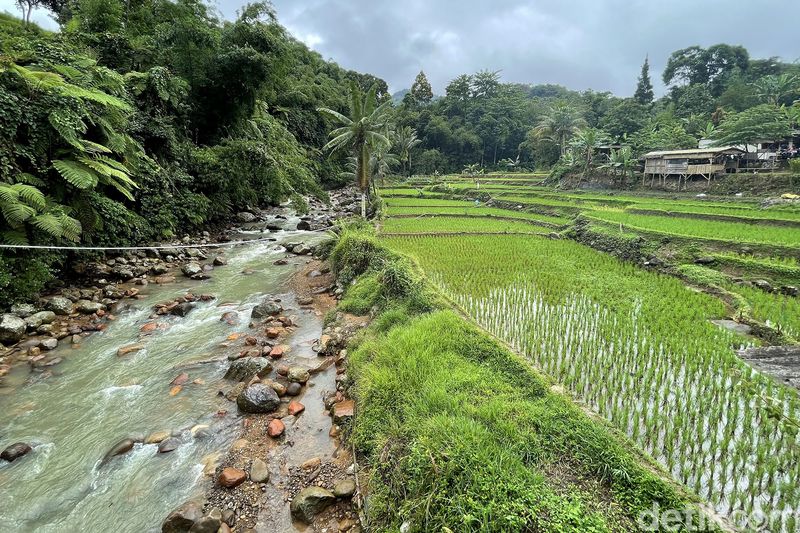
[639,348]
[454,224]
[704,229]
[477,212]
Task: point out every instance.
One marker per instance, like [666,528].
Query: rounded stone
[258,398]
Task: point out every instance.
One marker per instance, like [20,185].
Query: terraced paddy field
[651,342]
[454,224]
[640,349]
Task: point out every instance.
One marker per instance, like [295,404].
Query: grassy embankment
[460,434]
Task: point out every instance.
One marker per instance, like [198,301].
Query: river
[93,399]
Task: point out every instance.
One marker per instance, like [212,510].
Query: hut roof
[698,153]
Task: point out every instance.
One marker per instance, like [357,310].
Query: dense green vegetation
[145,120]
[459,434]
[718,92]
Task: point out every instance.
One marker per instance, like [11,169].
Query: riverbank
[453,430]
[140,412]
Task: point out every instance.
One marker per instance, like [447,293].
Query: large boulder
[245,368]
[59,305]
[266,309]
[42,317]
[244,216]
[310,502]
[15,451]
[12,328]
[23,310]
[88,307]
[182,519]
[192,270]
[258,398]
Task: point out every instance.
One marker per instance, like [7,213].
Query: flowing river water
[73,414]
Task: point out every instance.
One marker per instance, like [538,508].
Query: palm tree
[405,140]
[381,162]
[772,89]
[560,123]
[360,133]
[584,145]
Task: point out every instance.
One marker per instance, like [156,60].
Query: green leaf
[76,174]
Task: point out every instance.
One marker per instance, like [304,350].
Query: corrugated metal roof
[693,152]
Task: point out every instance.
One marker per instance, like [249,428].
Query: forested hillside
[143,120]
[713,92]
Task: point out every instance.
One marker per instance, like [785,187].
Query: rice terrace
[352,267]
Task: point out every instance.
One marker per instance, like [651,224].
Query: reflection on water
[95,398]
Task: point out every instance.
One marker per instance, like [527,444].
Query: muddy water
[94,398]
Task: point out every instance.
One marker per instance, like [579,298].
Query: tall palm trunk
[363,176]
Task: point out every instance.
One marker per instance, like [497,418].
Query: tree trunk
[363,204]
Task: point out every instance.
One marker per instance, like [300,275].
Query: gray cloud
[577,43]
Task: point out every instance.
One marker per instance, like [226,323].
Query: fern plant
[21,203]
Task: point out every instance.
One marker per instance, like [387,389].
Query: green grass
[777,310]
[474,440]
[477,211]
[421,202]
[639,348]
[704,229]
[453,224]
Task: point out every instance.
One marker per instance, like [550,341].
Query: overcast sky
[582,44]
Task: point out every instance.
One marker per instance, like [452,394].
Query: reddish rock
[343,410]
[277,352]
[250,340]
[180,379]
[295,408]
[206,297]
[273,333]
[129,349]
[275,428]
[149,327]
[230,317]
[231,477]
[282,370]
[165,279]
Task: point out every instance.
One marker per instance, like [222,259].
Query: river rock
[23,310]
[182,519]
[15,451]
[276,428]
[207,524]
[293,389]
[303,225]
[298,374]
[258,398]
[344,488]
[59,305]
[12,328]
[49,344]
[343,411]
[266,309]
[231,477]
[157,437]
[245,216]
[301,249]
[182,309]
[169,445]
[129,349]
[310,502]
[259,472]
[295,408]
[120,448]
[220,261]
[88,307]
[245,368]
[37,319]
[190,270]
